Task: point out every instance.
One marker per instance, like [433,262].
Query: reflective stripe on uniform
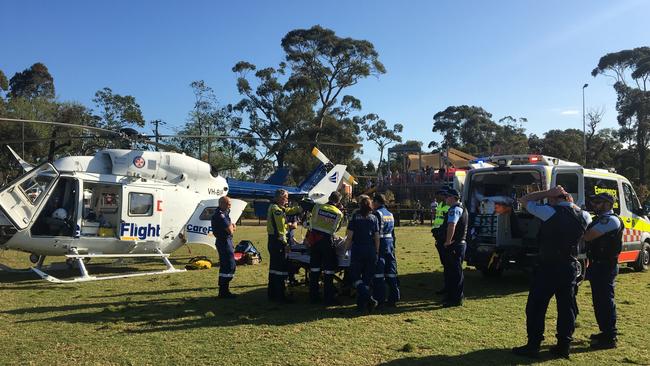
[315,269]
[391,275]
[279,273]
[386,236]
[227,275]
[329,272]
[379,275]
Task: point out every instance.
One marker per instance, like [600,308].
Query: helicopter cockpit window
[140,204]
[207,213]
[34,187]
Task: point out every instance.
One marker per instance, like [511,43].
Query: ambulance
[502,235]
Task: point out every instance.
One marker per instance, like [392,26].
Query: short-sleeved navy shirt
[364,228]
[220,223]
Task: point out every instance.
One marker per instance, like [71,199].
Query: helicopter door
[23,198]
[141,213]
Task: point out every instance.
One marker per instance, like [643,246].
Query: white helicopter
[119,204]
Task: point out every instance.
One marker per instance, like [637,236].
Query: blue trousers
[278,268]
[453,271]
[601,276]
[227,264]
[363,260]
[552,279]
[322,259]
[386,272]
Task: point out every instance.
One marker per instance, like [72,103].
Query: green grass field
[176,319]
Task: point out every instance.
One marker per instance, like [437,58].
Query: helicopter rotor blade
[225,137]
[141,138]
[131,138]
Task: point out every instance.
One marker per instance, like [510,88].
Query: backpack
[246,253]
[200,262]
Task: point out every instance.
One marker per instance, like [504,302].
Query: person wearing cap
[556,269]
[604,241]
[453,234]
[325,222]
[386,271]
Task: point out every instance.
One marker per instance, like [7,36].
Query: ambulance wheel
[643,261]
[581,270]
[34,258]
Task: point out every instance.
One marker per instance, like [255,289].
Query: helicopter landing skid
[85,277]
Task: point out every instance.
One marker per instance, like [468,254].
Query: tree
[34,82]
[510,137]
[275,110]
[469,128]
[328,64]
[563,144]
[4,87]
[4,83]
[535,144]
[377,131]
[117,111]
[633,102]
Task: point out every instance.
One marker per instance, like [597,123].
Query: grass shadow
[490,356]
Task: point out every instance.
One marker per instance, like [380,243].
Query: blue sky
[520,58]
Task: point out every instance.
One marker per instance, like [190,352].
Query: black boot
[224,292]
[604,342]
[528,350]
[561,350]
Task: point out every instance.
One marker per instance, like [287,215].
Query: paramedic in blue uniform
[604,240]
[223,229]
[276,228]
[454,232]
[363,241]
[386,271]
[325,222]
[563,226]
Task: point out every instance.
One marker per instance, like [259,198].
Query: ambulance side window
[140,204]
[631,201]
[594,186]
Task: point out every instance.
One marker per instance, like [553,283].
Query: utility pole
[157,122]
[584,127]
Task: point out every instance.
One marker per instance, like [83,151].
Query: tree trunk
[381,157]
[280,158]
[642,132]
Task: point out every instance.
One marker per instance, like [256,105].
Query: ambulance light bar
[507,160]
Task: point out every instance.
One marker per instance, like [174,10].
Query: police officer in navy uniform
[325,222]
[386,271]
[555,274]
[453,233]
[223,229]
[604,241]
[363,241]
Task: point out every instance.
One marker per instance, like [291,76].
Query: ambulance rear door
[572,179]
